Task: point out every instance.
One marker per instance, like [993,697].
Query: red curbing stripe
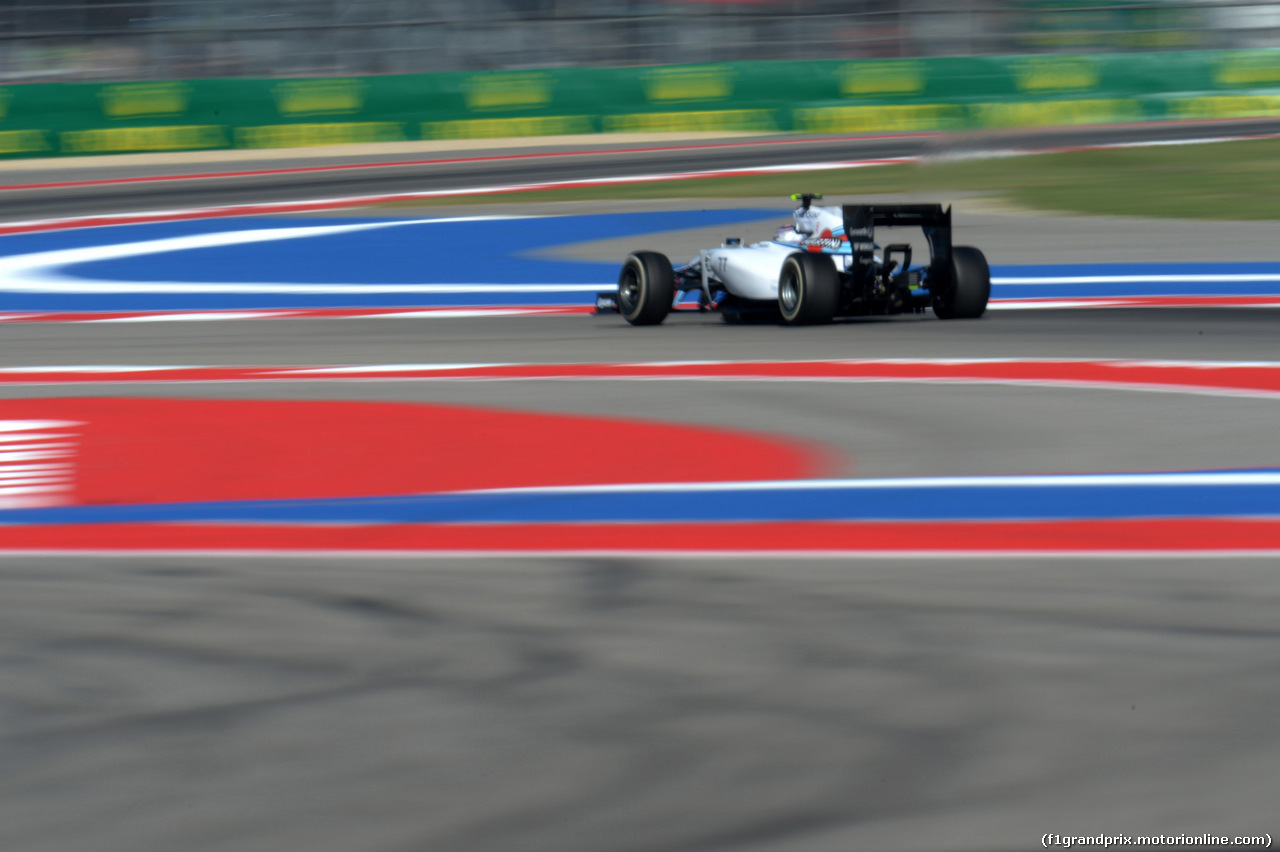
[1261,378]
[293,313]
[180,451]
[1188,536]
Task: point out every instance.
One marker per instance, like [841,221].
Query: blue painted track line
[387,252]
[1246,495]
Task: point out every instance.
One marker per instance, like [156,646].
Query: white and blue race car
[825,265]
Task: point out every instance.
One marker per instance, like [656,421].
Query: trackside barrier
[873,96]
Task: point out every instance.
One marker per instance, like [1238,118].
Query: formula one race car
[825,265]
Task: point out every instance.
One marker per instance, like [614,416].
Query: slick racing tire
[971,287]
[646,288]
[808,289]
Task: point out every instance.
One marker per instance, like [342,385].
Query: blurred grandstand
[166,39]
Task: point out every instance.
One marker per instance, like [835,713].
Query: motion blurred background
[625,701]
[165,39]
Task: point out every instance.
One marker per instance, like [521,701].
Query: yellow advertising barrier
[832,96]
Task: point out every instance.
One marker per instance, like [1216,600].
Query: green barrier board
[857,96]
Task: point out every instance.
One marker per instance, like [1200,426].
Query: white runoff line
[40,272]
[37,462]
[1169,143]
[1001,153]
[196,316]
[385,368]
[1242,278]
[435,555]
[92,368]
[1088,480]
[461,313]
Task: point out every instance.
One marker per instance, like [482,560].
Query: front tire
[808,289]
[970,288]
[646,288]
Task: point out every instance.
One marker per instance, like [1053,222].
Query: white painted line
[40,272]
[461,313]
[196,316]
[1001,153]
[33,425]
[46,483]
[1166,143]
[14,455]
[596,553]
[28,437]
[84,368]
[1049,305]
[31,500]
[384,368]
[1230,278]
[1027,481]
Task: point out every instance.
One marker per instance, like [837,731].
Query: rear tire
[808,289]
[646,288]
[971,287]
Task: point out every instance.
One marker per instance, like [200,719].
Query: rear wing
[860,221]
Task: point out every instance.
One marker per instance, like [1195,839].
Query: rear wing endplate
[860,221]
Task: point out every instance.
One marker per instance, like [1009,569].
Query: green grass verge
[1223,180]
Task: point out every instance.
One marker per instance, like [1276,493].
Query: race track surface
[130,183]
[633,701]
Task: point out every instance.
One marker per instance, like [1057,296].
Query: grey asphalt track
[1197,334]
[633,704]
[253,177]
[372,703]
